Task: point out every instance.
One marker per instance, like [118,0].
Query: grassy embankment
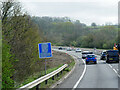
[50,81]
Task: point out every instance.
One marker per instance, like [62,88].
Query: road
[100,75]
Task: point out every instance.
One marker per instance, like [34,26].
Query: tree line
[20,38]
[66,32]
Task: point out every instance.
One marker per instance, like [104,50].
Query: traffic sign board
[44,50]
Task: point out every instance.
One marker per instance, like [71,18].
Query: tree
[8,10]
[7,67]
[94,25]
[20,40]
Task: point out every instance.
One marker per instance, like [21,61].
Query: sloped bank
[53,63]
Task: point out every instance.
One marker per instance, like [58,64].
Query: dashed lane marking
[114,70]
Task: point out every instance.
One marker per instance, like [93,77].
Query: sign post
[45,51]
[45,66]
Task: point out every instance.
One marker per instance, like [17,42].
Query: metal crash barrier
[43,78]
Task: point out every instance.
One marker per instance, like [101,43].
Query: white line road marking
[118,75]
[114,70]
[75,86]
[110,65]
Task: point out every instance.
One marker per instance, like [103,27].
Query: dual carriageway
[100,75]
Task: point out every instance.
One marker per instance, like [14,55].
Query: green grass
[35,76]
[71,64]
[52,69]
[50,81]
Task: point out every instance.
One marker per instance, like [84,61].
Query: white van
[84,54]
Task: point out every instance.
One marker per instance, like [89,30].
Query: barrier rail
[42,79]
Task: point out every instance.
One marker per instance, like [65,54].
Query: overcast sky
[87,11]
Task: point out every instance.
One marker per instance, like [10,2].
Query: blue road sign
[45,50]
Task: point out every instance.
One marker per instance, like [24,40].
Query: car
[94,48]
[112,56]
[69,49]
[91,58]
[103,55]
[84,54]
[60,48]
[78,50]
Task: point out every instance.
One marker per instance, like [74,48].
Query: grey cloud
[73,9]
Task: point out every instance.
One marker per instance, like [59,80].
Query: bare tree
[8,9]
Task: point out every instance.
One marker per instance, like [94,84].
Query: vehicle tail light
[95,58]
[86,58]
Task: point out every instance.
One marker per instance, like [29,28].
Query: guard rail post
[57,74]
[46,81]
[37,87]
[61,72]
[53,78]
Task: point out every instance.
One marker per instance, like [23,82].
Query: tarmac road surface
[99,75]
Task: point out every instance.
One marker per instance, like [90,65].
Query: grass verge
[56,78]
[50,81]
